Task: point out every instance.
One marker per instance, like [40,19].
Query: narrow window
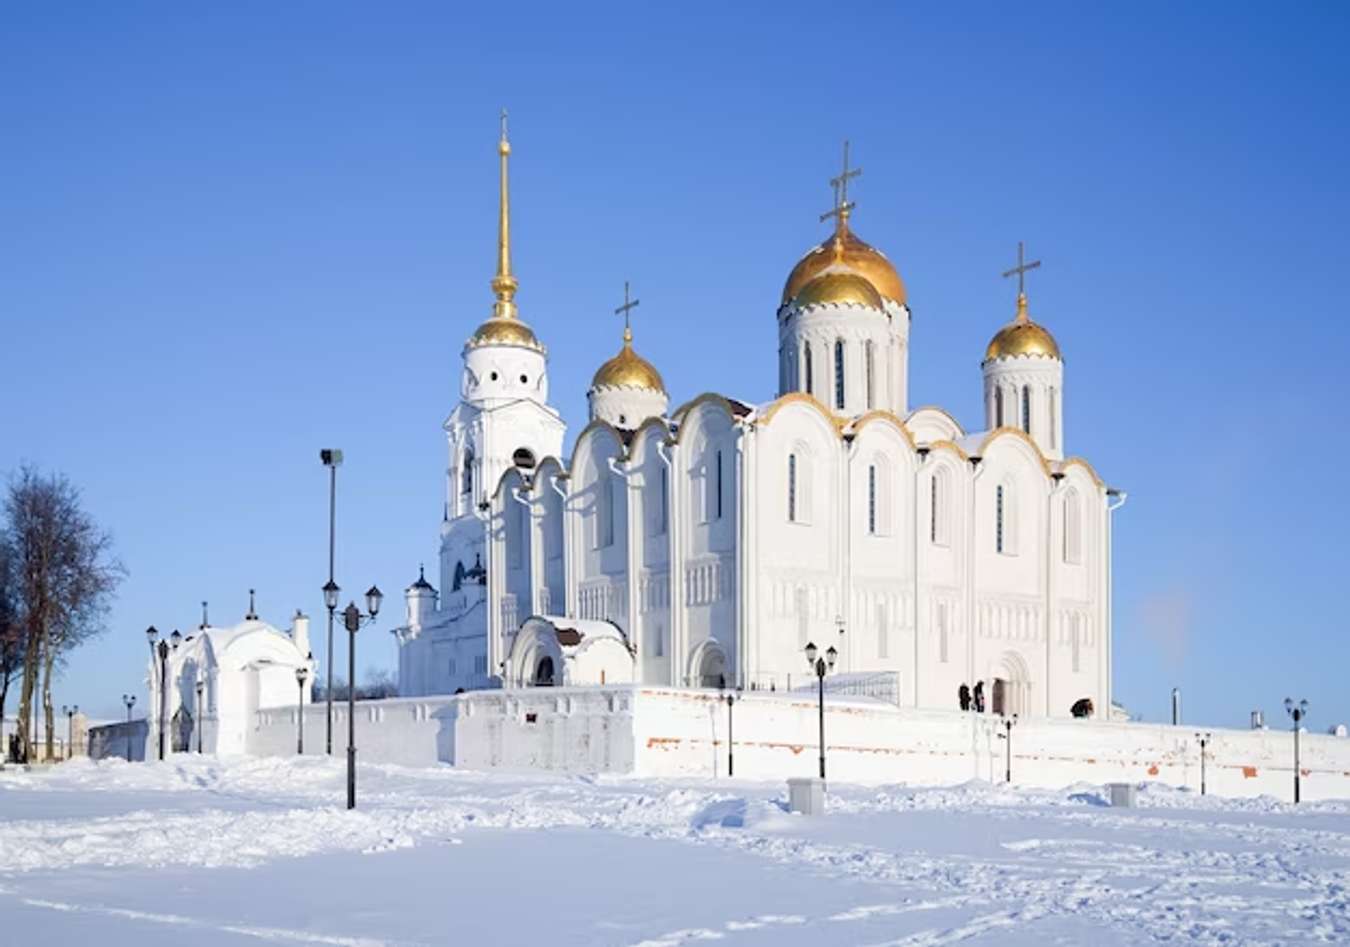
[942,631]
[516,540]
[937,508]
[604,514]
[871,391]
[1073,528]
[719,484]
[1054,419]
[933,509]
[872,500]
[663,504]
[810,372]
[658,642]
[792,488]
[998,407]
[883,634]
[998,518]
[1026,408]
[466,474]
[839,374]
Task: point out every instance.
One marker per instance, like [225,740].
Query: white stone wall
[666,732]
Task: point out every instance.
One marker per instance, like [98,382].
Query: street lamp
[821,666]
[1204,739]
[1298,712]
[200,716]
[70,713]
[332,459]
[129,700]
[163,651]
[1006,736]
[352,619]
[300,675]
[730,698]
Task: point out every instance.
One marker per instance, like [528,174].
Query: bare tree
[65,578]
[11,634]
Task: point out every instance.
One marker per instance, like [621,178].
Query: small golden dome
[501,330]
[853,254]
[838,286]
[1022,337]
[628,369]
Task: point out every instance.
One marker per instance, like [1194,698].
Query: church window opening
[1073,528]
[718,505]
[543,672]
[466,473]
[998,518]
[658,642]
[523,458]
[792,488]
[493,376]
[515,540]
[810,373]
[1054,419]
[459,577]
[1026,408]
[868,361]
[937,508]
[524,380]
[660,505]
[872,500]
[998,407]
[883,634]
[604,514]
[839,374]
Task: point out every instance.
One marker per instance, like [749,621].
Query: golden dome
[1022,337]
[500,330]
[853,254]
[628,369]
[838,286]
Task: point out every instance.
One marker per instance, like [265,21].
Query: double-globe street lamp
[162,650]
[1204,740]
[332,459]
[129,700]
[821,666]
[352,620]
[1298,711]
[301,674]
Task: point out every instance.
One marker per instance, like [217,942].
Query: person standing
[979,697]
[963,696]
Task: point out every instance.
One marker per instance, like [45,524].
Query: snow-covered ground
[205,852]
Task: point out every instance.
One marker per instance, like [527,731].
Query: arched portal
[708,665]
[1010,685]
[543,672]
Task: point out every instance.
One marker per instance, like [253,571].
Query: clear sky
[232,235]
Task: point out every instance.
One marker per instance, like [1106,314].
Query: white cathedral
[706,546]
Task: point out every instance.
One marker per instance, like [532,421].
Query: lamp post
[821,666]
[163,652]
[129,700]
[201,717]
[70,713]
[730,698]
[1204,739]
[1006,736]
[1298,711]
[332,459]
[300,675]
[352,619]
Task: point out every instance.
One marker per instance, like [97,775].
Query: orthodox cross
[503,124]
[840,185]
[625,309]
[1021,268]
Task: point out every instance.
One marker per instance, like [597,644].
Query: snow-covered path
[211,852]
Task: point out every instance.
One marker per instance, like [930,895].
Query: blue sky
[234,235]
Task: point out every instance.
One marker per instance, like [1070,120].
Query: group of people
[971,699]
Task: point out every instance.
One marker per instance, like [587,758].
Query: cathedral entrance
[710,666]
[181,732]
[999,703]
[543,672]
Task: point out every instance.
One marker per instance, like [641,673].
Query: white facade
[237,671]
[719,539]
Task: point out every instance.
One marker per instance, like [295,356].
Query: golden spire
[504,284]
[842,207]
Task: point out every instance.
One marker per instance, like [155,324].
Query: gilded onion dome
[838,286]
[1022,337]
[628,369]
[844,249]
[505,327]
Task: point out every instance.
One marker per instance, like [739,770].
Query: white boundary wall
[651,731]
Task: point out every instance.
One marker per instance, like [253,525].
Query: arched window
[810,373]
[839,374]
[1073,527]
[878,497]
[998,407]
[792,488]
[868,366]
[660,504]
[459,577]
[799,486]
[604,514]
[515,539]
[717,486]
[1026,408]
[938,516]
[872,500]
[523,458]
[1054,419]
[466,472]
[1005,519]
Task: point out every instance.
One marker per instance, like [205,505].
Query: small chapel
[706,545]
